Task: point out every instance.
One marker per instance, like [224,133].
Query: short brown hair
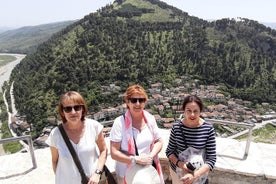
[76,98]
[192,98]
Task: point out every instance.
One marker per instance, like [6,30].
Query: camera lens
[190,166]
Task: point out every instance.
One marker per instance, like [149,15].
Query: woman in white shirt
[136,128]
[87,138]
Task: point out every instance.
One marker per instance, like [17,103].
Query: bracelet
[177,163]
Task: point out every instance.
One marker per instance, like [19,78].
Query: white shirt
[143,140]
[86,149]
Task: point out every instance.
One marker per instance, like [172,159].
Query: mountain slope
[26,39]
[122,45]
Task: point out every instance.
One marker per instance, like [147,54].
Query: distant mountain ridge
[26,39]
[3,29]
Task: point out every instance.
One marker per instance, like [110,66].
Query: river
[5,72]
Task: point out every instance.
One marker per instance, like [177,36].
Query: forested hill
[25,40]
[139,41]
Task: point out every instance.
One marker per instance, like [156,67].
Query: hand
[94,179]
[184,167]
[144,160]
[187,179]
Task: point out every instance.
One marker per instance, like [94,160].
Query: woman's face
[192,112]
[136,103]
[72,111]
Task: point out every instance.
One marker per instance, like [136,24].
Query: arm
[103,150]
[193,176]
[116,136]
[102,157]
[158,141]
[116,154]
[157,147]
[211,155]
[54,153]
[210,158]
[170,151]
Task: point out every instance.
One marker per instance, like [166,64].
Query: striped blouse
[202,137]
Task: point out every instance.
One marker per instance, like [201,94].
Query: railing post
[248,142]
[30,145]
[31,149]
[249,126]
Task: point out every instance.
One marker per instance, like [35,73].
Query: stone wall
[218,177]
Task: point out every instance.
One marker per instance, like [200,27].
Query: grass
[11,147]
[266,134]
[5,59]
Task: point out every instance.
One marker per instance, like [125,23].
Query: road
[5,72]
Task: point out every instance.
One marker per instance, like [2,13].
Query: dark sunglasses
[68,109]
[134,100]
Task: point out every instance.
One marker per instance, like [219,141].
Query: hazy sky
[17,13]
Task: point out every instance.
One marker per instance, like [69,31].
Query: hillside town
[166,105]
[163,100]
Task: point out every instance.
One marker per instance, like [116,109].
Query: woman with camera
[192,147]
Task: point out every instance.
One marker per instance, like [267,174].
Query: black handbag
[84,179]
[109,176]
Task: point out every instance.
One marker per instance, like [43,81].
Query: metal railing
[28,138]
[239,124]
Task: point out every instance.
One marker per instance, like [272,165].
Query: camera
[190,166]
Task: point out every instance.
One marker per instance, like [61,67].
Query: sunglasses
[68,109]
[134,100]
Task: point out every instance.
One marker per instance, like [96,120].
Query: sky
[18,13]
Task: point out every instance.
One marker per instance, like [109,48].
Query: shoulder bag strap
[72,151]
[136,150]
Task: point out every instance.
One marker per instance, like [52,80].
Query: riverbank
[5,71]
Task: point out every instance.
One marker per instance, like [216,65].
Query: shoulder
[92,123]
[149,118]
[207,125]
[177,124]
[55,131]
[119,120]
[53,137]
